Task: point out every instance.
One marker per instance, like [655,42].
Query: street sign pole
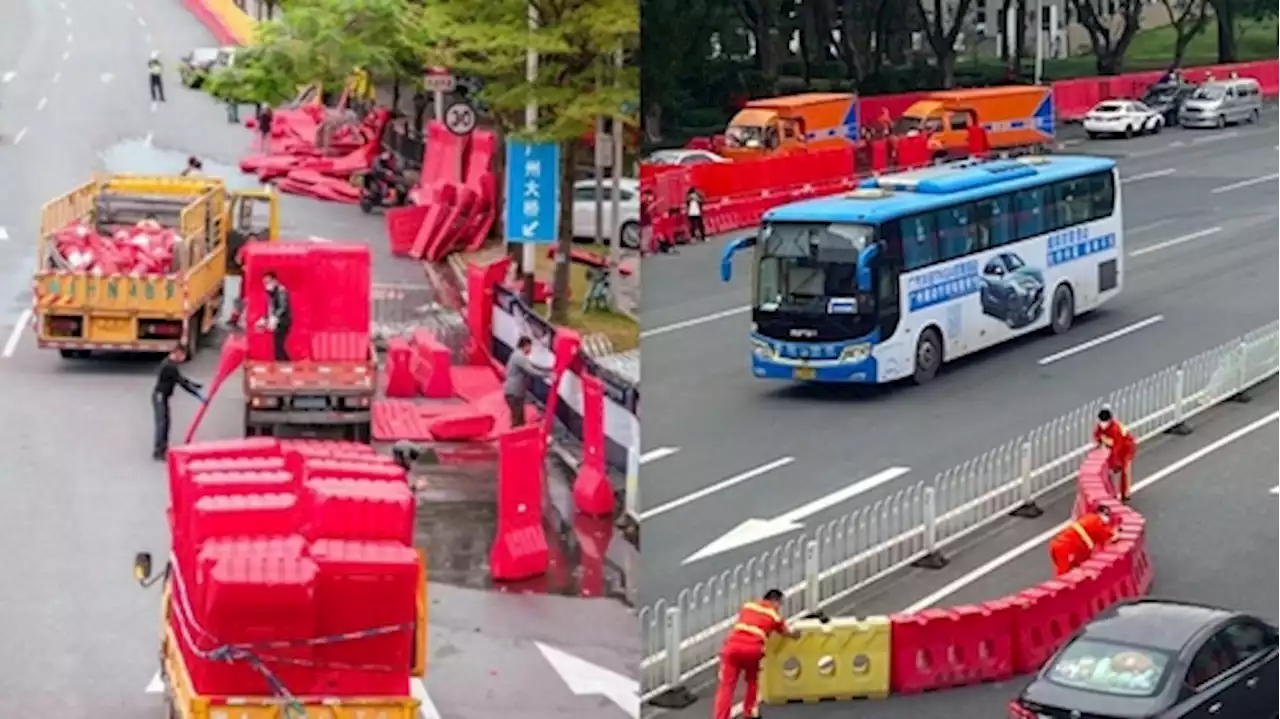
[616,251]
[439,81]
[529,257]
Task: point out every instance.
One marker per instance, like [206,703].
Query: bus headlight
[855,353]
[763,350]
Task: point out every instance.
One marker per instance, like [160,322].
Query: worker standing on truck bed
[168,377]
[279,315]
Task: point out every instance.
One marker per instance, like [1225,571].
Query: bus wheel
[928,356]
[1064,310]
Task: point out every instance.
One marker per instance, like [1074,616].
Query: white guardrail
[913,526]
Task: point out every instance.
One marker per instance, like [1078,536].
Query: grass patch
[621,330]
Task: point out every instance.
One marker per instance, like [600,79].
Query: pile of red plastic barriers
[329,286]
[133,250]
[1000,638]
[455,202]
[295,561]
[294,159]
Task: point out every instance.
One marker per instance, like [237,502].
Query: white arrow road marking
[723,484]
[756,530]
[586,679]
[416,688]
[657,453]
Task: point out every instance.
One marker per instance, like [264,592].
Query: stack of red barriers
[329,286]
[294,561]
[997,639]
[455,200]
[295,159]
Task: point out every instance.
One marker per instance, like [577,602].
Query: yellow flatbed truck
[79,312]
[182,701]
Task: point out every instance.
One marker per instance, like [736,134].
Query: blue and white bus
[909,270]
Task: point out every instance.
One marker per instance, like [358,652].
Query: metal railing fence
[822,568]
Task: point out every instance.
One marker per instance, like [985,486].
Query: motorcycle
[379,190]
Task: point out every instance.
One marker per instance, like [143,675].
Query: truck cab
[785,125]
[254,216]
[1017,116]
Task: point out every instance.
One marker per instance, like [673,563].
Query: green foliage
[575,40]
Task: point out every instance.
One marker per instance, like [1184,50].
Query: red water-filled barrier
[592,491]
[302,547]
[142,249]
[992,641]
[296,161]
[520,548]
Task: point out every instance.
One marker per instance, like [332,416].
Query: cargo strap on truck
[254,653]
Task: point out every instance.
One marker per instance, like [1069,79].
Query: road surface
[722,447]
[1212,517]
[80,492]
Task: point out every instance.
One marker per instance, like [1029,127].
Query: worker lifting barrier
[843,658]
[958,646]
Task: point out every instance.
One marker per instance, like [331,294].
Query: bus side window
[1102,195]
[953,232]
[1029,212]
[1071,203]
[919,241]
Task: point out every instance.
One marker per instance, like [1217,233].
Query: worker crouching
[1081,538]
[1121,448]
[743,651]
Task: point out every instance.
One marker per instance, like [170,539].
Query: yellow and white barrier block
[846,658]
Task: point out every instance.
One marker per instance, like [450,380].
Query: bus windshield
[805,266]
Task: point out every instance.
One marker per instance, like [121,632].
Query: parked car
[584,211]
[1012,291]
[1122,117]
[1221,103]
[196,65]
[1159,659]
[685,157]
[1166,98]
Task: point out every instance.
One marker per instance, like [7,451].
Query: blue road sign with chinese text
[532,210]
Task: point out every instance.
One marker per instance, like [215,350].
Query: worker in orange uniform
[744,648]
[1109,433]
[1077,542]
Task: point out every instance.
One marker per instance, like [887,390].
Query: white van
[1221,103]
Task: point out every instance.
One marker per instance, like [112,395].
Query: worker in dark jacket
[279,317]
[169,377]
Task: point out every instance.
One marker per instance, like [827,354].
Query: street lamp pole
[529,255]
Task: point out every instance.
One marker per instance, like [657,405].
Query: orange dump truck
[796,123]
[1015,117]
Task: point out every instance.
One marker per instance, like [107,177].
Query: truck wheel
[361,432]
[192,340]
[928,356]
[1063,309]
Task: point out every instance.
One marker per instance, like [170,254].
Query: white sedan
[584,211]
[685,157]
[1122,117]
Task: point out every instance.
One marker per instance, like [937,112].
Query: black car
[1166,98]
[196,65]
[1159,659]
[1012,291]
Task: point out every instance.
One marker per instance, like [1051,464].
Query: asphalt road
[1203,258]
[1212,518]
[80,493]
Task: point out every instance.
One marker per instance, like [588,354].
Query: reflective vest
[1091,530]
[756,620]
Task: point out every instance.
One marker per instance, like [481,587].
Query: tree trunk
[1227,49]
[947,68]
[560,297]
[1006,42]
[1019,38]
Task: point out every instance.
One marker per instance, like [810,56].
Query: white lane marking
[15,335]
[317,238]
[68,19]
[71,38]
[106,77]
[1275,490]
[718,486]
[1149,175]
[43,101]
[155,686]
[1036,541]
[4,234]
[756,529]
[142,22]
[1174,242]
[21,134]
[1177,143]
[147,140]
[657,453]
[1070,351]
[66,55]
[1245,183]
[147,38]
[7,78]
[129,5]
[428,709]
[694,322]
[1215,138]
[1149,227]
[154,106]
[57,76]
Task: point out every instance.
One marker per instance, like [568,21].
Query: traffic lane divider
[991,641]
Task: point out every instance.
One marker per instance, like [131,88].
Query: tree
[1225,12]
[1188,18]
[941,37]
[576,41]
[1110,45]
[861,22]
[675,46]
[762,20]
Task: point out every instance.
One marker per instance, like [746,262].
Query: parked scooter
[383,185]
